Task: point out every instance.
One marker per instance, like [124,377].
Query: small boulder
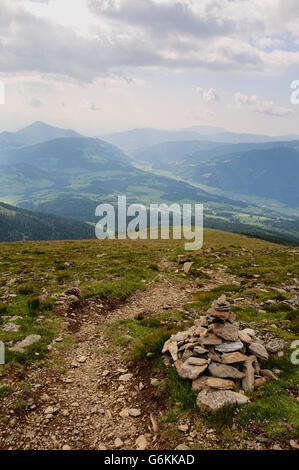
[214,400]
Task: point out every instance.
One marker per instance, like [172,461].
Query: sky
[100,66]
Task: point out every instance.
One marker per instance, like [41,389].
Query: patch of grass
[179,392]
[4,391]
[274,410]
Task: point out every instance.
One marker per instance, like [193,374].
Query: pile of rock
[222,361]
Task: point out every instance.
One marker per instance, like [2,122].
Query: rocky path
[97,403]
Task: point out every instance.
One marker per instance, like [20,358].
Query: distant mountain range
[19,225]
[139,139]
[63,173]
[268,170]
[34,134]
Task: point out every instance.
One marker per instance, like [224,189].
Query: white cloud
[257,105]
[209,96]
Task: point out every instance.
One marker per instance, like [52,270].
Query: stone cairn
[222,361]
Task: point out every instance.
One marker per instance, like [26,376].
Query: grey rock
[275,345]
[187,371]
[11,328]
[227,347]
[26,343]
[225,372]
[214,400]
[134,412]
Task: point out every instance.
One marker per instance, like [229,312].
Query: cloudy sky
[104,65]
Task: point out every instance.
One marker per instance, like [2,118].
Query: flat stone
[26,343]
[214,400]
[210,340]
[259,351]
[245,338]
[275,345]
[232,358]
[196,361]
[269,374]
[11,328]
[190,372]
[134,412]
[220,384]
[225,372]
[227,331]
[82,359]
[227,347]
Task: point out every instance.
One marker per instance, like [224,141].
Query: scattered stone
[118,443]
[141,442]
[183,428]
[66,447]
[182,447]
[11,328]
[188,267]
[125,377]
[275,345]
[124,413]
[294,444]
[82,359]
[26,343]
[134,412]
[214,400]
[154,423]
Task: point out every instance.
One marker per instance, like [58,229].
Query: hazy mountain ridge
[138,139]
[19,225]
[70,176]
[35,133]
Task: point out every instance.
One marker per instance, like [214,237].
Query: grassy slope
[116,269]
